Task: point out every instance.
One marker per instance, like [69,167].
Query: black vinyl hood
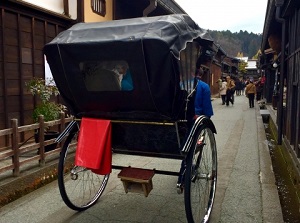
[175,30]
[150,45]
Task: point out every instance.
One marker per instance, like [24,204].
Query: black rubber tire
[201,176]
[82,190]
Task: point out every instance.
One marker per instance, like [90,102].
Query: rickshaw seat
[102,80]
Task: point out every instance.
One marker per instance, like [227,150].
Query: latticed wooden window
[99,7]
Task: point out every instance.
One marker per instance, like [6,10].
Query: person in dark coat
[259,89]
[250,92]
[229,90]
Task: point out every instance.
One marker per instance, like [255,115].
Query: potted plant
[50,110]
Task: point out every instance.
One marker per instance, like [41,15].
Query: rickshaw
[138,74]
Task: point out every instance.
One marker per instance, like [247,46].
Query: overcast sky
[233,15]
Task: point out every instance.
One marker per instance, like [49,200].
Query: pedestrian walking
[259,89]
[251,92]
[239,87]
[223,91]
[243,87]
[230,88]
[219,82]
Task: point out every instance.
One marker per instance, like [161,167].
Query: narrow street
[246,190]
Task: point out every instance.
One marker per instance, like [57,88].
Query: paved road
[246,190]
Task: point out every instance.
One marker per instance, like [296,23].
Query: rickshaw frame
[161,96]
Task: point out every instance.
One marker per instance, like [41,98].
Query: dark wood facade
[23,33]
[281,45]
[292,111]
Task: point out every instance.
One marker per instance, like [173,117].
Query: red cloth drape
[94,145]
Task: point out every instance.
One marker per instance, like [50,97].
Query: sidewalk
[246,190]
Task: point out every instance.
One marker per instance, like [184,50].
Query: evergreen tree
[238,42]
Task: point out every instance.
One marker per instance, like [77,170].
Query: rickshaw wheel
[201,176]
[79,187]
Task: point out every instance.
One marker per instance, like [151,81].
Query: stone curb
[271,207]
[16,187]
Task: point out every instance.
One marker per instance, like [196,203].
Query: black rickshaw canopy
[148,47]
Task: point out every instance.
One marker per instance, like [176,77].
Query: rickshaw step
[137,180]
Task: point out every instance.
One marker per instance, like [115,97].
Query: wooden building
[252,70]
[24,30]
[280,60]
[222,66]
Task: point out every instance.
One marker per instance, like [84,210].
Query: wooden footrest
[137,180]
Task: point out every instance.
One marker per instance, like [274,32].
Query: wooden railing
[28,153]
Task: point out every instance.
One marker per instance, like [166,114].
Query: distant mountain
[236,43]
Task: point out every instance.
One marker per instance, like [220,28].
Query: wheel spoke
[80,188]
[200,180]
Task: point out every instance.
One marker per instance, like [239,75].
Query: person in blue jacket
[122,69]
[203,106]
[126,83]
[202,102]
